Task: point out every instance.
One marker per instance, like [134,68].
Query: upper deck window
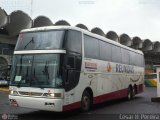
[91,47]
[74,41]
[40,40]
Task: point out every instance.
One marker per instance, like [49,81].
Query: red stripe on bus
[140,88]
[115,95]
[110,96]
[72,106]
[105,97]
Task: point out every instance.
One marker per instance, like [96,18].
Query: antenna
[31,8]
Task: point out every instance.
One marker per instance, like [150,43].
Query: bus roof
[83,31]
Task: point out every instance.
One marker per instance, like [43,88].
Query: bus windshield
[40,40]
[36,70]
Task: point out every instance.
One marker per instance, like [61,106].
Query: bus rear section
[111,70]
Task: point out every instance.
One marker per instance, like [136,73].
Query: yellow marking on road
[4,89]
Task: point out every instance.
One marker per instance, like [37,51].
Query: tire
[135,89]
[85,101]
[130,93]
[133,92]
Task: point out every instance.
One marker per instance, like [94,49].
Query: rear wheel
[133,92]
[130,93]
[85,101]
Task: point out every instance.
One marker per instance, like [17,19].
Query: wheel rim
[134,92]
[129,95]
[85,102]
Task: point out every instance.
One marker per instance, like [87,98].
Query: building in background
[14,21]
[12,5]
[7,43]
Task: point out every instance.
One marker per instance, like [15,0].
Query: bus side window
[105,50]
[91,47]
[125,56]
[74,41]
[116,54]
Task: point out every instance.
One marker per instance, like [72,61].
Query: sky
[134,17]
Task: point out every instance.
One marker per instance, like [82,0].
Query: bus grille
[30,93]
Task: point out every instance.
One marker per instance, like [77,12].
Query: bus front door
[69,71]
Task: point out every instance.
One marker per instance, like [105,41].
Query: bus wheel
[133,92]
[130,93]
[86,101]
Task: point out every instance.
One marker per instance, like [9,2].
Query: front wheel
[85,101]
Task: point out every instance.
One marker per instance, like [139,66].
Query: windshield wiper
[32,40]
[45,72]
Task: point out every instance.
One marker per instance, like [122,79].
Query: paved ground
[141,108]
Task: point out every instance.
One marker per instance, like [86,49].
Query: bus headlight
[13,92]
[53,95]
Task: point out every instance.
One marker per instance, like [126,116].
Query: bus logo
[109,67]
[90,65]
[124,68]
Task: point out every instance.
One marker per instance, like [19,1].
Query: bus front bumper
[47,104]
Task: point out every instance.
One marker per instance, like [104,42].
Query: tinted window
[116,54]
[133,58]
[125,56]
[140,61]
[105,50]
[74,41]
[91,47]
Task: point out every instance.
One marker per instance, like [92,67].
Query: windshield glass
[40,40]
[40,70]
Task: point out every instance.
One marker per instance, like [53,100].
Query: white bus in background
[60,68]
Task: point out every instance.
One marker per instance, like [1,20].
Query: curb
[155,99]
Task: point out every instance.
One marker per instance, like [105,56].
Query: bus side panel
[106,84]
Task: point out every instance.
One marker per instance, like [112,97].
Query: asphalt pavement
[140,108]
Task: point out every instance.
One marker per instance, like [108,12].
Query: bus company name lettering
[124,68]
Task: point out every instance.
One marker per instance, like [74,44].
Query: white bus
[60,68]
